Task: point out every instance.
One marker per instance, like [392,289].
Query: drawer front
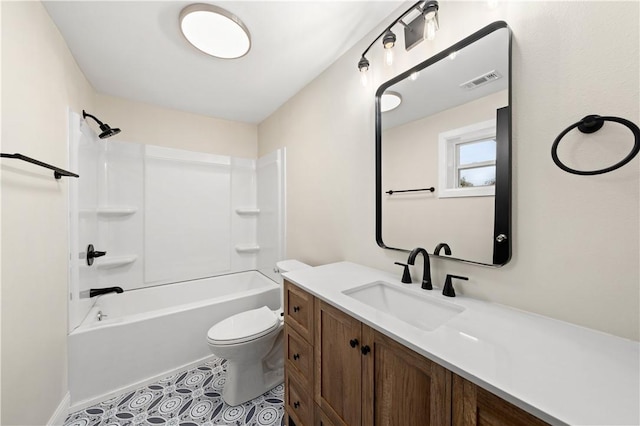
[299,404]
[299,354]
[298,308]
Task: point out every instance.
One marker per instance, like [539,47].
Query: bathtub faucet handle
[100,316]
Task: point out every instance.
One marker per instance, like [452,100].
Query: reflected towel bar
[57,172]
[391,192]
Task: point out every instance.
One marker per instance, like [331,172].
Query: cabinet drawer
[298,309]
[299,354]
[299,404]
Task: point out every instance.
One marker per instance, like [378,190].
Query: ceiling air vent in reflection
[481,80]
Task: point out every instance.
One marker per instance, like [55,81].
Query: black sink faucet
[99,291]
[445,246]
[426,272]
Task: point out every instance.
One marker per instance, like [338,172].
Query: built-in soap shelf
[248,211]
[115,262]
[110,211]
[247,248]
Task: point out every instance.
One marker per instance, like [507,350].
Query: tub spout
[98,291]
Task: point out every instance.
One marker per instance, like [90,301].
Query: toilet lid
[242,327]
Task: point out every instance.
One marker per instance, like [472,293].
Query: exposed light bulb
[430,29]
[363,67]
[388,56]
[414,75]
[363,77]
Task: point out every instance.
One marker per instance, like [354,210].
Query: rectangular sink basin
[421,311]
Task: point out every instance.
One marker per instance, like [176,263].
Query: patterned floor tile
[187,398]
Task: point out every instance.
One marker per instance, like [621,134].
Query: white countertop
[560,372]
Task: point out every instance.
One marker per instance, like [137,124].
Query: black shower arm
[85,115]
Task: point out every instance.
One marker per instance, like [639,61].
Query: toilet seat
[243,327]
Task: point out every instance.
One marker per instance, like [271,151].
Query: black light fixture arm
[416,6]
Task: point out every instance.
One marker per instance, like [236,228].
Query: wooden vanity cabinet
[338,365]
[401,387]
[365,378]
[475,406]
[298,347]
[340,372]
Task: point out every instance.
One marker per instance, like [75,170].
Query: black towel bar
[391,192]
[57,172]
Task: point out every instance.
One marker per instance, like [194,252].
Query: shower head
[107,131]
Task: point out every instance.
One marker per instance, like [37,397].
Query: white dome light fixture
[215,31]
[390,100]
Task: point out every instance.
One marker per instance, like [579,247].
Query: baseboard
[81,405]
[61,413]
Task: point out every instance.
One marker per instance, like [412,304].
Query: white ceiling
[135,50]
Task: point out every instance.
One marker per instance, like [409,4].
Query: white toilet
[252,344]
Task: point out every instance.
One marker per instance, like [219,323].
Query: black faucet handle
[406,275]
[448,289]
[92,253]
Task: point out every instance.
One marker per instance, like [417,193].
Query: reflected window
[476,163]
[467,166]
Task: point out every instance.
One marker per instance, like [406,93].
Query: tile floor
[187,398]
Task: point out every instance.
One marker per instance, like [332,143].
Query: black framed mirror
[443,152]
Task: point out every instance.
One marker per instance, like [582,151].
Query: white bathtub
[153,331]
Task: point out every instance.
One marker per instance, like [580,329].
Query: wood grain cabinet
[340,372]
[474,406]
[298,348]
[365,378]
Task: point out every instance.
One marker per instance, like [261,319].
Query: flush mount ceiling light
[389,101]
[422,27]
[215,31]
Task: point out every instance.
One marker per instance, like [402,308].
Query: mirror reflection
[442,131]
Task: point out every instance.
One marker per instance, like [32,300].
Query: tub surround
[560,372]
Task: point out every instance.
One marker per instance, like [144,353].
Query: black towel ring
[591,124]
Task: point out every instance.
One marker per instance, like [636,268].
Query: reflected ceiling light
[389,101]
[422,27]
[414,75]
[215,31]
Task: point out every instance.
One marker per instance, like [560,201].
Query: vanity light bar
[428,17]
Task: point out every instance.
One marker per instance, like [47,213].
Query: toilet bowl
[252,344]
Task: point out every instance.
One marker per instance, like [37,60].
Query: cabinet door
[474,406]
[338,364]
[401,387]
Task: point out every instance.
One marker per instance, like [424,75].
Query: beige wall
[40,80]
[576,238]
[150,124]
